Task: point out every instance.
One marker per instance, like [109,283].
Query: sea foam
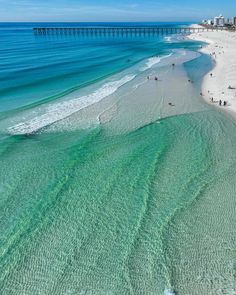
[167,39]
[153,61]
[61,110]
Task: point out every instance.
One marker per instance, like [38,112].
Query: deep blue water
[38,68]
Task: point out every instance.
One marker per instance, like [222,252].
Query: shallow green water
[141,201]
[129,214]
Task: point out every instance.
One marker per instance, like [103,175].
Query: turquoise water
[106,188]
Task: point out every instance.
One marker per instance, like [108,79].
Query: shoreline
[220,82]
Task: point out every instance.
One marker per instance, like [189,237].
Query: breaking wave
[61,110]
[153,61]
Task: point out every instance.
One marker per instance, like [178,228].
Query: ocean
[112,182]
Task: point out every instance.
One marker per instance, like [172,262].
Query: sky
[113,10]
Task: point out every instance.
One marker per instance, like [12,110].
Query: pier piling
[120,30]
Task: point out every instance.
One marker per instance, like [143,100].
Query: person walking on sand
[220,102]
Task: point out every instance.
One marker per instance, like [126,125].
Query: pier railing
[123,30]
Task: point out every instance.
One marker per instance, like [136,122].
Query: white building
[219,21]
[234,20]
[207,22]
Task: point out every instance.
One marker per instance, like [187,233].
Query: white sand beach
[220,83]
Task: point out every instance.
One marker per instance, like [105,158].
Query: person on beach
[220,102]
[156,78]
[211,74]
[225,103]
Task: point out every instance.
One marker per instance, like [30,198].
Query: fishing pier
[122,30]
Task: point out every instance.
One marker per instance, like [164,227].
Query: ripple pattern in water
[104,201]
[128,214]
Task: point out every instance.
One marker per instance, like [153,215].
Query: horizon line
[97,21]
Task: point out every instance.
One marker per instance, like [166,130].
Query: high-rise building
[219,21]
[234,20]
